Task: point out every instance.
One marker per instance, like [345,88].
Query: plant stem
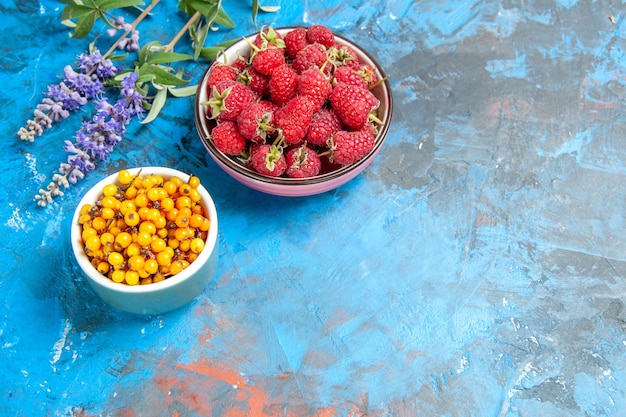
[170,46]
[132,28]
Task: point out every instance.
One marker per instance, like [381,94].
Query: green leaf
[183,91]
[167,57]
[157,104]
[255,10]
[211,52]
[84,25]
[118,4]
[223,19]
[161,75]
[75,11]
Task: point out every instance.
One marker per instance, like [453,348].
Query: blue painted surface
[476,268]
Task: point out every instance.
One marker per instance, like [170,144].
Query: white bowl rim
[99,279]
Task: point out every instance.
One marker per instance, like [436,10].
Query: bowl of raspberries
[293,111]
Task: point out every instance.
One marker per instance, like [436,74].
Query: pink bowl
[291,187]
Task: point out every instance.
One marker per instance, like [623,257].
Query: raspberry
[268,38]
[314,84]
[295,41]
[352,104]
[302,162]
[268,160]
[254,121]
[228,139]
[293,119]
[320,34]
[219,73]
[283,84]
[313,55]
[350,147]
[324,124]
[228,99]
[266,60]
[348,75]
[257,82]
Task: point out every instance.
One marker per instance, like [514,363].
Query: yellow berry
[115,259]
[118,275]
[131,277]
[124,177]
[194,181]
[93,243]
[197,245]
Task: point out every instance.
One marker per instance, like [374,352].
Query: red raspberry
[268,160]
[352,104]
[227,138]
[283,84]
[343,55]
[349,147]
[368,74]
[266,60]
[257,82]
[324,124]
[227,100]
[255,121]
[320,34]
[313,55]
[302,162]
[295,41]
[268,38]
[314,84]
[219,73]
[240,63]
[294,117]
[348,75]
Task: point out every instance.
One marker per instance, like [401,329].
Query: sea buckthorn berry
[196,245]
[131,277]
[144,238]
[206,224]
[107,239]
[176,180]
[143,212]
[107,213]
[194,181]
[110,202]
[170,187]
[166,204]
[196,220]
[192,256]
[118,275]
[148,227]
[99,224]
[195,195]
[136,262]
[124,177]
[115,259]
[84,218]
[123,239]
[184,189]
[92,243]
[183,201]
[184,245]
[103,267]
[156,193]
[86,208]
[88,231]
[164,258]
[158,277]
[182,220]
[131,218]
[172,214]
[151,266]
[162,232]
[160,222]
[109,190]
[178,266]
[126,206]
[158,245]
[141,200]
[133,249]
[152,214]
[131,192]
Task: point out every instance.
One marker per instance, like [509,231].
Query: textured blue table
[477,268]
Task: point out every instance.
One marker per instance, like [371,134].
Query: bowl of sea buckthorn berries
[146,239]
[293,111]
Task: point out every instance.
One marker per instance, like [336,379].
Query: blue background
[476,268]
